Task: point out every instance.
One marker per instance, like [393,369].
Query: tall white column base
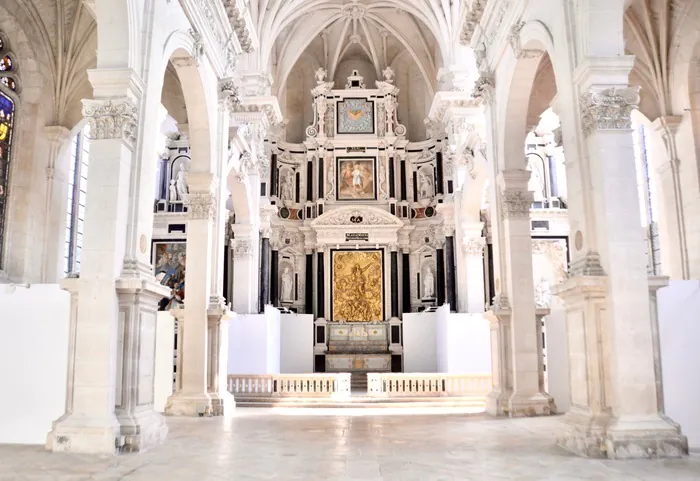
[189,404]
[222,400]
[81,434]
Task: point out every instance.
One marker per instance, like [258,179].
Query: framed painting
[356,179]
[355,116]
[357,285]
[169,260]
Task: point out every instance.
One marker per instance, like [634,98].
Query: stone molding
[112,119]
[515,204]
[608,108]
[485,89]
[587,266]
[229,94]
[352,216]
[201,205]
[242,248]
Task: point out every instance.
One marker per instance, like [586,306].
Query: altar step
[472,404]
[358,382]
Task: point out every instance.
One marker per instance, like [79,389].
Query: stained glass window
[7,107]
[77,193]
[8,69]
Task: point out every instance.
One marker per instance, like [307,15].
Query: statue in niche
[425,185]
[428,284]
[181,183]
[287,189]
[287,285]
[543,294]
[536,183]
[173,191]
[388,75]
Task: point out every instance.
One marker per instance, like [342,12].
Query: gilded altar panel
[358,293]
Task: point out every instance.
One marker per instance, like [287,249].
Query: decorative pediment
[357,216]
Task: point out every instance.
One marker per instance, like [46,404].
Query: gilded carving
[608,109]
[357,286]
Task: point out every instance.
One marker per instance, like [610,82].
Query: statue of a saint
[428,284]
[321,75]
[181,183]
[287,190]
[425,185]
[173,191]
[388,75]
[287,285]
[357,178]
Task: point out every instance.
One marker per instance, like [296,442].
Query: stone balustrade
[431,385]
[331,385]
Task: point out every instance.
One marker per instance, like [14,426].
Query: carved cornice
[515,204]
[200,205]
[239,18]
[471,20]
[608,108]
[112,119]
[514,41]
[356,216]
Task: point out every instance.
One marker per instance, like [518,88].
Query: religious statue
[173,191]
[287,285]
[428,284]
[357,176]
[425,185]
[287,189]
[321,75]
[388,75]
[181,183]
[543,294]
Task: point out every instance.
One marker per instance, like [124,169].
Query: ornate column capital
[200,205]
[485,89]
[112,119]
[393,247]
[608,108]
[474,246]
[515,204]
[242,248]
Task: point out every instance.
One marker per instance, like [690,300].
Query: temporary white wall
[34,326]
[463,343]
[254,343]
[420,342]
[165,344]
[558,359]
[297,343]
[679,332]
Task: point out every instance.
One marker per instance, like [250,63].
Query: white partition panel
[420,342]
[165,347]
[254,343]
[297,343]
[34,327]
[679,331]
[558,385]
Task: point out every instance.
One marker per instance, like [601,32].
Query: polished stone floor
[345,445]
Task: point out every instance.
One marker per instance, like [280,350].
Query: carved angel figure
[181,183]
[321,75]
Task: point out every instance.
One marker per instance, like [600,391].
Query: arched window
[647,197]
[7,108]
[8,69]
[77,192]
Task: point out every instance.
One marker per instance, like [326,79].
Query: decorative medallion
[355,116]
[578,240]
[142,244]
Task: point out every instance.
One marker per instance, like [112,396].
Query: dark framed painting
[356,179]
[355,116]
[169,260]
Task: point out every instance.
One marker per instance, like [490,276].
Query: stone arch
[118,31]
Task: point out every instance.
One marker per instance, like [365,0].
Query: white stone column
[473,253]
[193,398]
[100,369]
[615,412]
[674,247]
[515,200]
[57,180]
[245,269]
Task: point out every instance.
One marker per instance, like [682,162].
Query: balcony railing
[289,385]
[428,385]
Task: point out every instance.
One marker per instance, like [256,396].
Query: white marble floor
[345,445]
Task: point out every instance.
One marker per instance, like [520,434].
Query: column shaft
[320,286]
[450,272]
[264,273]
[274,278]
[440,260]
[394,284]
[406,281]
[308,289]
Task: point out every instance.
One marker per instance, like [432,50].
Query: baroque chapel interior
[429,239]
